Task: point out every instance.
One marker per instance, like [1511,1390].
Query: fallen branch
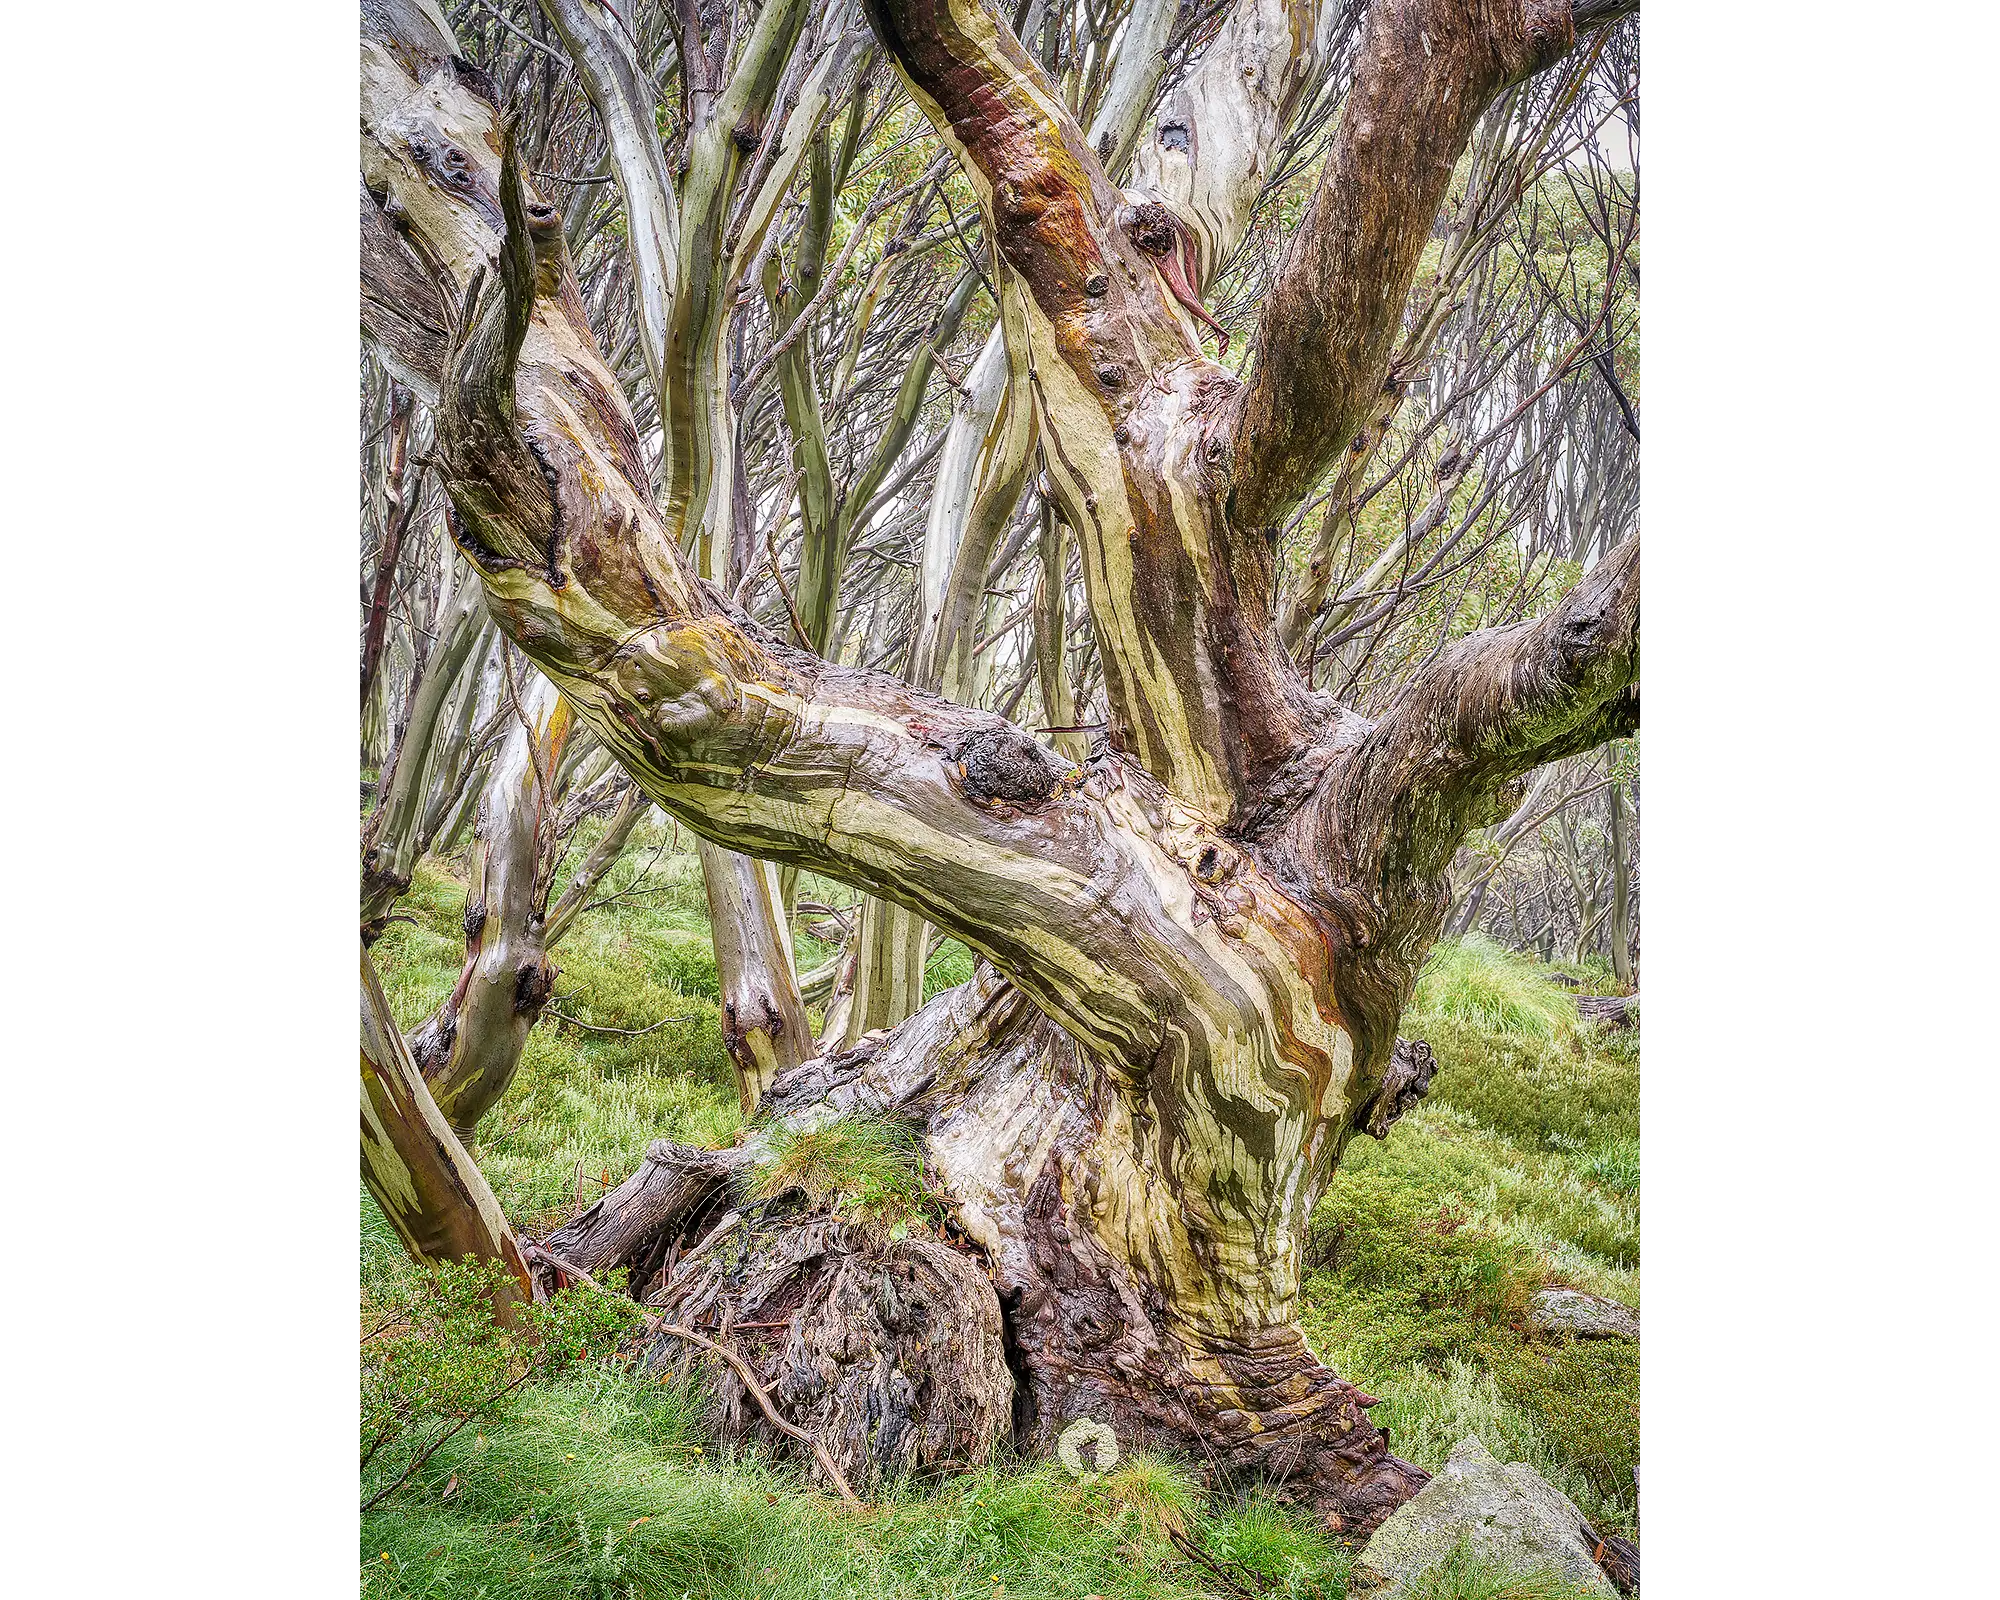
[629,1033]
[1613,1010]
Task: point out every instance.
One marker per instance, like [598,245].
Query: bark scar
[1004,764]
[1171,242]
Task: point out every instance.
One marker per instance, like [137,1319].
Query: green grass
[867,1166]
[1479,983]
[602,1486]
[1521,1169]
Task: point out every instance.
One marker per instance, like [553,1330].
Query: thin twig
[784,594]
[629,1033]
[1194,1552]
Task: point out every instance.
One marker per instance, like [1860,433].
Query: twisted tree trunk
[1200,942]
[1197,165]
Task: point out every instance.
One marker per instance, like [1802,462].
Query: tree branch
[1491,707]
[1426,71]
[951,813]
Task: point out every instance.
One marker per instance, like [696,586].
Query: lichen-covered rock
[1583,1316]
[1506,1514]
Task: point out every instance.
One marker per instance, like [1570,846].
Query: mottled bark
[415,1166]
[1202,159]
[685,262]
[891,946]
[764,1023]
[470,1048]
[1201,941]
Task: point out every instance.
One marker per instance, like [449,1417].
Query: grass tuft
[1477,981]
[867,1166]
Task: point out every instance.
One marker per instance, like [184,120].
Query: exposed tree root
[888,1352]
[918,1355]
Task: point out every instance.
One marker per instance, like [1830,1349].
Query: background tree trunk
[1621,881]
[413,1164]
[469,1049]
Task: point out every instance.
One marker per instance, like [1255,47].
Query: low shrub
[439,1362]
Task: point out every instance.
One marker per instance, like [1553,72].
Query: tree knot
[534,982]
[1004,764]
[1407,1081]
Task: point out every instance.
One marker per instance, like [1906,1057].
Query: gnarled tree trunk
[1200,941]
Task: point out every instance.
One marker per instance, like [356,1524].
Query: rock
[1506,1514]
[1582,1316]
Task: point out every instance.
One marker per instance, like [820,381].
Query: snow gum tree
[1196,944]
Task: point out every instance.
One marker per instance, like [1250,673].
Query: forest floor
[1520,1170]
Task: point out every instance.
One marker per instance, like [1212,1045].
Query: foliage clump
[442,1360]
